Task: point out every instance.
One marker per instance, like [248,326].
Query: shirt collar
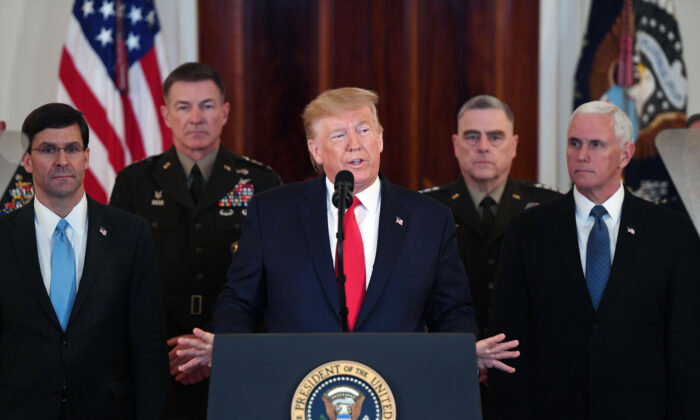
[206,164]
[478,195]
[613,205]
[48,219]
[369,196]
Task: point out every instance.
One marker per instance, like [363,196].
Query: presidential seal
[343,390]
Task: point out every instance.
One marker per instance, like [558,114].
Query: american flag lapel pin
[103,231]
[399,221]
[630,230]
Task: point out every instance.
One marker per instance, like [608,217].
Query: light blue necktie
[598,256]
[62,290]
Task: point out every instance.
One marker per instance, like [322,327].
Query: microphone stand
[340,236]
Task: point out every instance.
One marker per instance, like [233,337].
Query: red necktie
[353,264]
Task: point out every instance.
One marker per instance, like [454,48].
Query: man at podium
[404,273]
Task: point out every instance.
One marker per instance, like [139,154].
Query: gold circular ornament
[343,390]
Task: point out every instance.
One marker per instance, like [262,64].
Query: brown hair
[193,72]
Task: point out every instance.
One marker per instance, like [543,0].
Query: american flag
[111,69]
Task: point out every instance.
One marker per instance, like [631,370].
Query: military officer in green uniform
[195,196]
[485,198]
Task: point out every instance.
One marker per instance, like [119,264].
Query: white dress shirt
[367,215]
[585,222]
[45,222]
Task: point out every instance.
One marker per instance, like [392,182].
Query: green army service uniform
[193,243]
[19,191]
[480,250]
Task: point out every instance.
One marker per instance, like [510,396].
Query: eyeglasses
[50,151]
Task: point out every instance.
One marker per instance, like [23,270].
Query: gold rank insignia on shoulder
[166,165]
[516,196]
[228,168]
[158,198]
[455,196]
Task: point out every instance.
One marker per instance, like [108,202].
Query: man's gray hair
[485,102]
[621,122]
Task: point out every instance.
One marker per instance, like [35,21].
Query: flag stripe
[132,132]
[149,65]
[85,101]
[103,173]
[93,71]
[125,125]
[145,108]
[95,188]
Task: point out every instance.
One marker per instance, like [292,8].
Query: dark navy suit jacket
[283,269]
[111,362]
[636,357]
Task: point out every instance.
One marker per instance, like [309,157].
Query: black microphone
[342,199]
[344,184]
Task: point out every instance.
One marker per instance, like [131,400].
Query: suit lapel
[510,204]
[627,246]
[99,233]
[219,183]
[170,176]
[24,241]
[571,252]
[464,208]
[389,243]
[313,221]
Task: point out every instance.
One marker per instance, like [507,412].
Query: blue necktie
[62,290]
[598,256]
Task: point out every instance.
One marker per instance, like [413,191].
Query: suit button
[237,226]
[65,343]
[491,261]
[199,251]
[199,276]
[490,285]
[595,328]
[154,225]
[198,226]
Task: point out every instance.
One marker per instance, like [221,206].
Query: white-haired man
[601,289]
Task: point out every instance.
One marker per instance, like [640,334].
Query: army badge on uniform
[343,390]
[158,198]
[20,195]
[239,196]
